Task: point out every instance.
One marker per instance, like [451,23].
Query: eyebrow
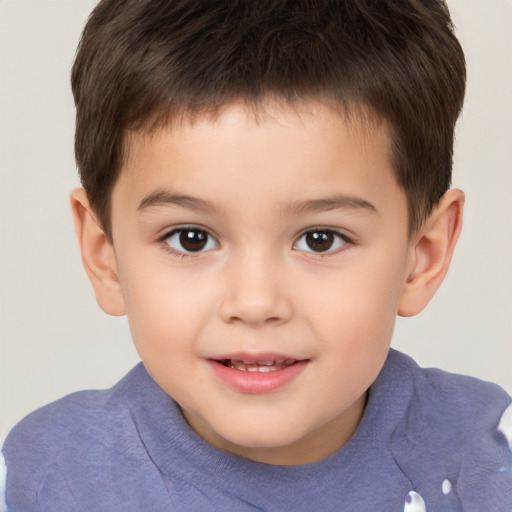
[335,202]
[166,198]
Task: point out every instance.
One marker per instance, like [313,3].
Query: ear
[98,256]
[430,254]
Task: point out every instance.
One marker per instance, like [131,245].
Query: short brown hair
[140,63]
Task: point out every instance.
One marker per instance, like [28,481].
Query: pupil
[193,240]
[320,241]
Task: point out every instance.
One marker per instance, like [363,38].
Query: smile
[261,375]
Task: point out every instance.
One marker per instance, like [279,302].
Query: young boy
[266,186]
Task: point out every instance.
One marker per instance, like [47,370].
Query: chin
[263,437]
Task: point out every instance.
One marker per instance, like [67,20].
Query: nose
[255,293]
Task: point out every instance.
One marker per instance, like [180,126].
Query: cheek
[358,304]
[355,324]
[166,311]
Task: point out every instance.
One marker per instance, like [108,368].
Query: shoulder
[453,399]
[77,427]
[464,406]
[456,432]
[84,414]
[450,412]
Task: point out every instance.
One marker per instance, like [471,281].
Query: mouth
[264,373]
[257,366]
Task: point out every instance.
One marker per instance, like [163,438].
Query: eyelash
[338,236]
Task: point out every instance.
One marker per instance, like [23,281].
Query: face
[261,261]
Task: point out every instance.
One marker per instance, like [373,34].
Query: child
[266,186]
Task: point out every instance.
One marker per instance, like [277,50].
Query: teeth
[258,366]
[261,363]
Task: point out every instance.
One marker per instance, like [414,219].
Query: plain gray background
[54,339]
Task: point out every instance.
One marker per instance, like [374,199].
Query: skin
[256,185]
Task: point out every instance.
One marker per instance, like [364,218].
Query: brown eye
[193,240]
[320,240]
[188,240]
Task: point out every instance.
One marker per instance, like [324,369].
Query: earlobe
[98,256]
[431,251]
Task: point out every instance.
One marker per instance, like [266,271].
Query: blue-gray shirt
[429,440]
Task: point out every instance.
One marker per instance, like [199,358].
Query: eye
[321,240]
[190,240]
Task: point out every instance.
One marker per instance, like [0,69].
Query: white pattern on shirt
[3,478]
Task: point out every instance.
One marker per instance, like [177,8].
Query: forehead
[271,151]
[370,132]
[358,119]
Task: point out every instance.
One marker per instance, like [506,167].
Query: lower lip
[257,382]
